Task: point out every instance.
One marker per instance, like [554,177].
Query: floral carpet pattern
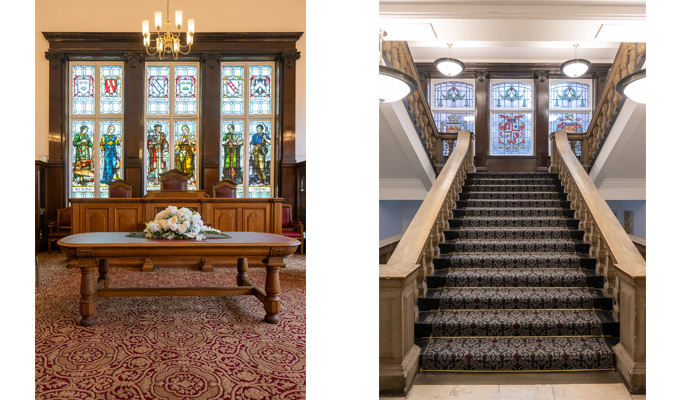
[176,348]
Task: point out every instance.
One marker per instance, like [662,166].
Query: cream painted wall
[126,16]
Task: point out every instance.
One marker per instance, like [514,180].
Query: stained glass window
[452,94]
[158,89]
[512,95]
[185,89]
[570,106]
[453,122]
[569,95]
[185,150]
[111,140]
[233,90]
[260,159]
[157,150]
[111,89]
[232,152]
[569,122]
[260,89]
[83,165]
[511,134]
[83,89]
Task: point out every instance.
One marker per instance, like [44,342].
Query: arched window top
[514,95]
[452,94]
[572,95]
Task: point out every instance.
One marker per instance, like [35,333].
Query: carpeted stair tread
[511,222]
[502,233]
[516,354]
[511,246]
[510,298]
[517,277]
[521,212]
[517,260]
[512,181]
[513,175]
[511,188]
[510,195]
[512,203]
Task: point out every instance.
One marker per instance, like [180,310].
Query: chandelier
[393,84]
[575,67]
[634,86]
[168,42]
[449,66]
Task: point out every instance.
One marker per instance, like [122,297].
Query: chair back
[64,218]
[224,189]
[119,189]
[286,220]
[174,180]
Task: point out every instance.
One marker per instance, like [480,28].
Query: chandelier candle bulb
[179,18]
[158,20]
[191,27]
[189,39]
[146,27]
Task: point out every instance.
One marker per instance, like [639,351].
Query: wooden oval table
[96,249]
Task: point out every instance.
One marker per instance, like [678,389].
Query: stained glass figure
[569,95]
[110,154]
[512,134]
[453,122]
[83,98]
[185,150]
[512,95]
[111,89]
[260,89]
[260,159]
[452,95]
[233,90]
[185,101]
[569,122]
[232,150]
[83,167]
[158,89]
[157,146]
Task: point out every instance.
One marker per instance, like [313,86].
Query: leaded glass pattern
[111,88]
[512,95]
[569,122]
[260,159]
[83,89]
[232,152]
[83,164]
[185,89]
[233,90]
[454,122]
[511,134]
[157,152]
[158,89]
[569,95]
[260,89]
[452,94]
[185,150]
[111,139]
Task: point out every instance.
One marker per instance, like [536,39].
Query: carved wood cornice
[541,75]
[199,36]
[472,69]
[55,58]
[133,58]
[211,59]
[481,75]
[289,57]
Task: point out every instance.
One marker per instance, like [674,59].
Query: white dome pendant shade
[394,85]
[634,86]
[449,66]
[576,67]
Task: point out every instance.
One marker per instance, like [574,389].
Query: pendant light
[576,67]
[449,66]
[393,84]
[634,86]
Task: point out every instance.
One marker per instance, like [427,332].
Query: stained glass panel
[83,92]
[186,89]
[110,154]
[569,95]
[157,89]
[233,90]
[508,95]
[511,134]
[157,152]
[453,122]
[111,89]
[260,89]
[452,95]
[260,159]
[83,166]
[569,122]
[232,158]
[185,150]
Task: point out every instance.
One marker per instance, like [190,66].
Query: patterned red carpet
[173,348]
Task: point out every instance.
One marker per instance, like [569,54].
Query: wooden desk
[93,250]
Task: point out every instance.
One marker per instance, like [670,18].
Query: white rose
[191,234]
[152,227]
[172,226]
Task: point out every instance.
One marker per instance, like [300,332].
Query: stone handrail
[629,58]
[399,57]
[617,260]
[402,279]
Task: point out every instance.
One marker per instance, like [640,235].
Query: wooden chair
[290,228]
[174,180]
[120,189]
[60,228]
[224,189]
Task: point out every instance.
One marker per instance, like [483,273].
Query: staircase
[514,289]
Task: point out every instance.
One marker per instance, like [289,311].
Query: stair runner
[514,288]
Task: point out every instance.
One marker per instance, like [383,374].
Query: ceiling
[533,31]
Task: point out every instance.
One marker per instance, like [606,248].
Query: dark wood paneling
[134,124]
[210,70]
[289,185]
[512,164]
[541,90]
[482,89]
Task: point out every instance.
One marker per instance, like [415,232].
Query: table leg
[272,303]
[103,271]
[88,294]
[242,271]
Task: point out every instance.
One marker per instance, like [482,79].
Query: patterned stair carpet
[514,288]
[168,347]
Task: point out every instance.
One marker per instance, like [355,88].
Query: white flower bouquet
[179,223]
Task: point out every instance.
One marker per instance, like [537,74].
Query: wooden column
[482,129]
[287,179]
[541,116]
[57,139]
[134,122]
[210,115]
